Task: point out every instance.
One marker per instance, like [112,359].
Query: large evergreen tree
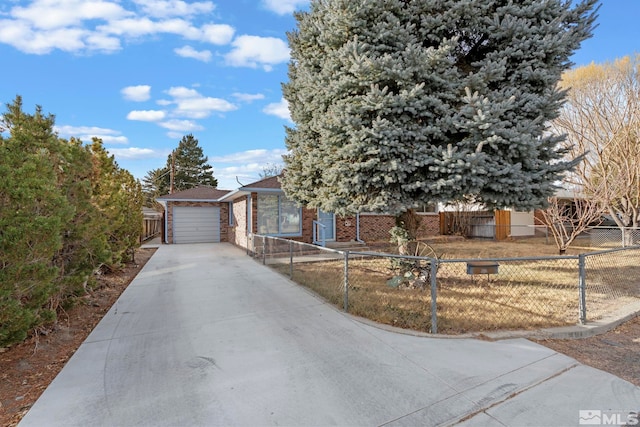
[190,168]
[398,103]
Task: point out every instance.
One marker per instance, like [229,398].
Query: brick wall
[308,216]
[429,225]
[375,228]
[346,228]
[254,213]
[224,217]
[238,233]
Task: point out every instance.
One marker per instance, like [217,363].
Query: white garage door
[196,224]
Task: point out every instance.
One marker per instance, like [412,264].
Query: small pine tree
[152,185]
[190,168]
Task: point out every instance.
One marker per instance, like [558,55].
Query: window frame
[435,210]
[280,198]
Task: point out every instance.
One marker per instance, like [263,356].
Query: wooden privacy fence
[476,224]
[151,227]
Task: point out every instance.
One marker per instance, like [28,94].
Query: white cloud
[244,166]
[24,38]
[175,135]
[283,7]
[138,93]
[247,97]
[259,156]
[86,133]
[189,52]
[51,14]
[146,115]
[166,8]
[201,107]
[278,109]
[131,27]
[101,25]
[134,153]
[102,42]
[182,92]
[219,34]
[255,51]
[191,104]
[108,139]
[181,125]
[179,27]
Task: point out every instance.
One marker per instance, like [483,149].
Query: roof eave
[189,200]
[233,195]
[261,190]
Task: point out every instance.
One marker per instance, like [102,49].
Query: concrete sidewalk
[206,336]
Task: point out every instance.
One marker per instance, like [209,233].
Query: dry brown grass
[526,294]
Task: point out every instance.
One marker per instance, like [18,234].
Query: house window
[427,208]
[231,214]
[278,215]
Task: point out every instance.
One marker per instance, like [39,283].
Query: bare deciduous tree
[566,219]
[602,121]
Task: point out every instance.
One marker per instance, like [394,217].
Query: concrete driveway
[207,336]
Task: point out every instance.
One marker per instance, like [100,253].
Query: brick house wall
[429,225]
[375,228]
[238,232]
[346,228]
[308,216]
[224,217]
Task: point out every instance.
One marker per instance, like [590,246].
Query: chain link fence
[315,267]
[454,296]
[595,238]
[612,280]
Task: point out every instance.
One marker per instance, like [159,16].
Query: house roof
[272,182]
[197,194]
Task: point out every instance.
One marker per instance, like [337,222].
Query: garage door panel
[196,224]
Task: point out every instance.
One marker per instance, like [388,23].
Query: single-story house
[210,215]
[196,215]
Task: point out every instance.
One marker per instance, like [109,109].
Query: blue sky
[140,74]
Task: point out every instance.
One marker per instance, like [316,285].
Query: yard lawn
[524,295]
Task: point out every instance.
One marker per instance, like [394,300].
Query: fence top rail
[288,241]
[609,251]
[447,260]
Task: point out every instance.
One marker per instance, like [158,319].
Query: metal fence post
[290,259]
[264,251]
[434,295]
[582,288]
[346,281]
